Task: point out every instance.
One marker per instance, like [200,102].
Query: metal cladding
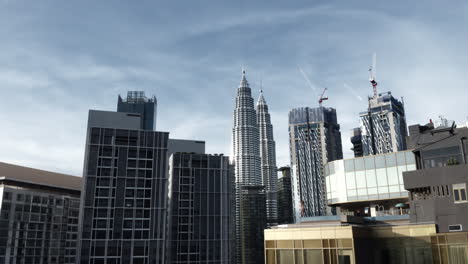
[383,126]
[315,139]
[268,160]
[245,155]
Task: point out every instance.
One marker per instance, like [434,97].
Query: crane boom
[321,99]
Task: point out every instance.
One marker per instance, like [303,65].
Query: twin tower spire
[254,160]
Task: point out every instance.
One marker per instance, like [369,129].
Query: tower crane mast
[372,74]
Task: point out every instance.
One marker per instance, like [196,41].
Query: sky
[58,59]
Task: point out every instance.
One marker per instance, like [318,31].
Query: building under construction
[383,125]
[315,139]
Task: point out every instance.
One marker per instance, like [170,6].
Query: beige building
[346,243]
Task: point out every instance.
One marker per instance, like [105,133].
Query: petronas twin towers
[254,161]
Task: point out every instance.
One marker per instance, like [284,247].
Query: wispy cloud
[59,60]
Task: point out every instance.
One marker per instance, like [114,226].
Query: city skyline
[56,68]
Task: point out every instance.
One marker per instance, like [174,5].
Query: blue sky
[60,58]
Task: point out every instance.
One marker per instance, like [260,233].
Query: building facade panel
[200,209]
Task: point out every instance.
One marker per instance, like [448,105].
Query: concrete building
[268,160]
[369,186]
[200,209]
[315,139]
[123,216]
[285,205]
[245,158]
[383,125]
[38,215]
[136,102]
[438,189]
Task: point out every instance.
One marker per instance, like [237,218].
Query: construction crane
[321,99]
[372,74]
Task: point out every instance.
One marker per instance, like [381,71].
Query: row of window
[425,193]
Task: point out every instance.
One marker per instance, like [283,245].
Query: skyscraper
[268,160]
[315,139]
[253,223]
[246,154]
[285,205]
[200,209]
[136,102]
[383,125]
[123,216]
[356,140]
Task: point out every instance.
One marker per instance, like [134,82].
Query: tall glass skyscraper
[268,160]
[137,102]
[315,139]
[245,157]
[200,209]
[383,125]
[123,216]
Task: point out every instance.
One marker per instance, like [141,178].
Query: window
[459,193]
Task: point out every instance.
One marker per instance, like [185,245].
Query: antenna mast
[321,99]
[372,74]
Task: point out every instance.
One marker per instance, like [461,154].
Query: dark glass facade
[124,198]
[38,226]
[252,223]
[285,206]
[137,102]
[200,209]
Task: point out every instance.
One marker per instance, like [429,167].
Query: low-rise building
[363,240]
[38,215]
[438,189]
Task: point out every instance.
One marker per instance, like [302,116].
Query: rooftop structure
[137,103]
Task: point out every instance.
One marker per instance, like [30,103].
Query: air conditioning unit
[455,228]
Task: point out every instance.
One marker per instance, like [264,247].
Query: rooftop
[39,177]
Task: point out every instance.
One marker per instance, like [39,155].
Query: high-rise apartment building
[268,160]
[284,190]
[315,139]
[136,102]
[123,217]
[38,215]
[383,125]
[246,154]
[200,209]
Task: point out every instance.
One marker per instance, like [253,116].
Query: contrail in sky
[352,91]
[307,79]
